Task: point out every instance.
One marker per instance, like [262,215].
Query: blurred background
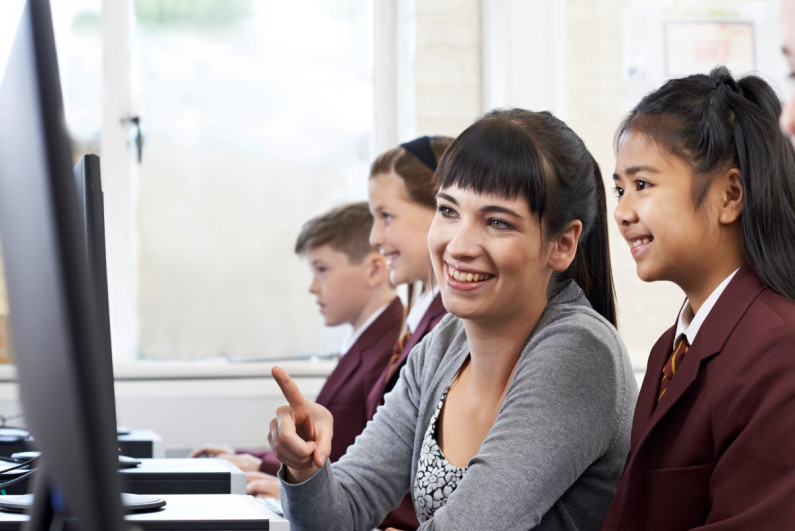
[223,125]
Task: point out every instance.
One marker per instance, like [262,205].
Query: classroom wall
[595,95]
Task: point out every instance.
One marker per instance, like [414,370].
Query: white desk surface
[199,508]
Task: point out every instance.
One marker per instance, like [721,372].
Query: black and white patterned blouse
[436,478]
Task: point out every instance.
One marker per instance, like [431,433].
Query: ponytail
[768,174]
[591,268]
[714,123]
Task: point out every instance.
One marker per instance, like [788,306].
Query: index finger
[289,387]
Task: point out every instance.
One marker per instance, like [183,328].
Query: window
[255,115]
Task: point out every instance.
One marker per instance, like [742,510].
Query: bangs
[497,157]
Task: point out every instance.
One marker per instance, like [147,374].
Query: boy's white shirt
[353,335]
[690,327]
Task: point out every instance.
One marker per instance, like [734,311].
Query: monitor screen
[54,315]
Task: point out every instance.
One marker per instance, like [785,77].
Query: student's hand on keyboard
[262,485]
[211,450]
[300,434]
[245,462]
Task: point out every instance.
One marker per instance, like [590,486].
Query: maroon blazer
[346,389]
[431,318]
[404,516]
[718,452]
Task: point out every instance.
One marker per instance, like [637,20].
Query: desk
[136,443]
[206,512]
[184,476]
[142,443]
[167,476]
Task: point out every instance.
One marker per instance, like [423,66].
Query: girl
[514,412]
[402,203]
[707,200]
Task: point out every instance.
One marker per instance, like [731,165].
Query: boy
[350,281]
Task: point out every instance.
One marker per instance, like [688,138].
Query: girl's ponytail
[768,171]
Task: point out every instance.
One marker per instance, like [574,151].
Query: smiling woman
[514,413]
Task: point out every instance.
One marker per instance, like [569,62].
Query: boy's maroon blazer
[346,389]
[718,452]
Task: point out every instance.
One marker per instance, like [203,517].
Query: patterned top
[436,478]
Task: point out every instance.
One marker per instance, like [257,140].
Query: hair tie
[421,148]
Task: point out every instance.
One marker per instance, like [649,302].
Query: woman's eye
[445,211]
[641,185]
[618,191]
[497,223]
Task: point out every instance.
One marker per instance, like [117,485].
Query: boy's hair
[715,122]
[346,229]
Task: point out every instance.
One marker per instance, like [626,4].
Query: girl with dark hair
[514,412]
[706,188]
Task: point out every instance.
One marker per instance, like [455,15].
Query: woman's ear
[564,247]
[731,196]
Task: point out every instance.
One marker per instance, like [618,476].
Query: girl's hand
[300,434]
[262,485]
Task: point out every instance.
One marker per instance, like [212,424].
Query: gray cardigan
[552,460]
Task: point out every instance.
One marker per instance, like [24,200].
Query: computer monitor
[92,213]
[54,314]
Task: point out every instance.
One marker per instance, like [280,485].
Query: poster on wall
[676,38]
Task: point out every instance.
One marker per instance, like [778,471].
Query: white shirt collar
[689,324]
[420,307]
[353,335]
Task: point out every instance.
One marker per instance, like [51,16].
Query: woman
[514,413]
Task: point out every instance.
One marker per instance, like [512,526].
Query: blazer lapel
[647,397]
[344,369]
[711,338]
[429,319]
[351,361]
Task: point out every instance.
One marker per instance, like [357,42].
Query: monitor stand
[131,503]
[124,461]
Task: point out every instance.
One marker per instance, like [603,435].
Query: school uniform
[425,315]
[717,452]
[345,392]
[429,318]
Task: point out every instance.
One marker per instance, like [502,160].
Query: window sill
[174,370]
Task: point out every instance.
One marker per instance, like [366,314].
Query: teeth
[642,241]
[465,277]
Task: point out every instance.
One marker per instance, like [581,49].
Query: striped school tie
[396,352]
[673,363]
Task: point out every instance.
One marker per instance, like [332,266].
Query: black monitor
[92,213]
[66,398]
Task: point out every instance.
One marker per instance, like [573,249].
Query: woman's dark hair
[518,153]
[715,123]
